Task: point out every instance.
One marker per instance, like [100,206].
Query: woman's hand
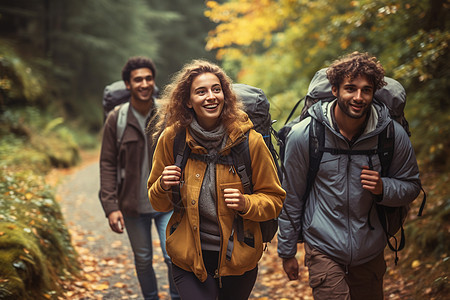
[170,177]
[235,200]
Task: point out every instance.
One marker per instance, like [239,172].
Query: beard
[346,108]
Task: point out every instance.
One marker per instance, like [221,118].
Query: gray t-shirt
[144,203]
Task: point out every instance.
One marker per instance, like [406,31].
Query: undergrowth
[36,255]
[35,248]
[427,252]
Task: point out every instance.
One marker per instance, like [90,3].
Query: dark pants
[233,287]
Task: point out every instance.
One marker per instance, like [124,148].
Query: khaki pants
[330,280]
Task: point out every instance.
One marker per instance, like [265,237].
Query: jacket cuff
[160,185]
[285,256]
[109,208]
[246,207]
[378,198]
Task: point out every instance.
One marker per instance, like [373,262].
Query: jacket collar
[236,133]
[378,120]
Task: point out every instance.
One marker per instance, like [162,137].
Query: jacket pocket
[316,266]
[180,242]
[316,280]
[231,185]
[248,251]
[221,196]
[329,166]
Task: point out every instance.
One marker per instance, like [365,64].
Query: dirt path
[106,257]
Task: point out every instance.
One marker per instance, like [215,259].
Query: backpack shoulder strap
[121,121]
[293,110]
[181,153]
[386,148]
[122,112]
[242,163]
[316,144]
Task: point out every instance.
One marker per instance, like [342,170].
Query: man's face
[354,97]
[141,84]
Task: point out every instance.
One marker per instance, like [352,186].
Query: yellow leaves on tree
[243,22]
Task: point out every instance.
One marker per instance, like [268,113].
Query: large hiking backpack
[393,96]
[257,106]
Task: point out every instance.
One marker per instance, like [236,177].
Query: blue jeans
[139,231]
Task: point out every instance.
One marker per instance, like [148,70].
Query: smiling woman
[206,100]
[208,260]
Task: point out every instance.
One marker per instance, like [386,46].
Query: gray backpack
[393,95]
[117,93]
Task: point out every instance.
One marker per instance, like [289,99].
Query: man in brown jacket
[125,164]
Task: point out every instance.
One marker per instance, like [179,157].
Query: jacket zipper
[348,207]
[216,275]
[216,272]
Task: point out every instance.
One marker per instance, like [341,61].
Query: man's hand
[116,221]
[371,181]
[290,266]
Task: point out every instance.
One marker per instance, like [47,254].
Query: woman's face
[206,100]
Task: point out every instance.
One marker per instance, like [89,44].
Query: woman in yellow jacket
[208,261]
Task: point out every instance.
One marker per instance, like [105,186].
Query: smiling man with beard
[343,237]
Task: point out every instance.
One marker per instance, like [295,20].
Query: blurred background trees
[56,57]
[62,53]
[279,45]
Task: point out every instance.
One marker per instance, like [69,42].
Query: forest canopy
[279,45]
[63,53]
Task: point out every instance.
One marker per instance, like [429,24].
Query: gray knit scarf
[212,141]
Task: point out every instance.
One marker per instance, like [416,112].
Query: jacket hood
[380,117]
[239,128]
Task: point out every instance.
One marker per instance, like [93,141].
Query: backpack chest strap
[213,158]
[335,151]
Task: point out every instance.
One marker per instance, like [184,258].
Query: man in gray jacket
[344,255]
[123,191]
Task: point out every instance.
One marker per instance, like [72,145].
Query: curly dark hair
[137,62]
[174,110]
[354,65]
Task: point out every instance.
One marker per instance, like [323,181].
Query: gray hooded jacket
[337,210]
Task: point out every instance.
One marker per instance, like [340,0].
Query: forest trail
[107,261]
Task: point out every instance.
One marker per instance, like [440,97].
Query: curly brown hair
[354,65]
[174,110]
[137,62]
